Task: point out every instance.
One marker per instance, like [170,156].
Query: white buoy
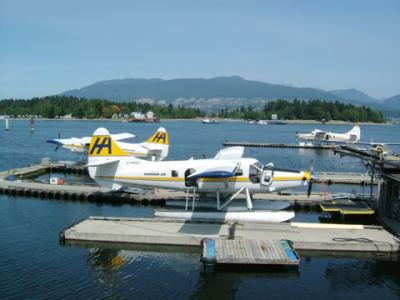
[7,128]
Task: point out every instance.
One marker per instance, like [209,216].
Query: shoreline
[332,122]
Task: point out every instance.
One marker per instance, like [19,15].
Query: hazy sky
[47,47]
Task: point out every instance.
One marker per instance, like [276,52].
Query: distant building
[389,198]
[387,169]
[149,117]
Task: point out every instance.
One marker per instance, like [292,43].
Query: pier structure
[276,145]
[304,236]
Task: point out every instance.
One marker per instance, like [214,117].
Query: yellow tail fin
[102,144]
[160,137]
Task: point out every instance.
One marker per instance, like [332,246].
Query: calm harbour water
[34,266]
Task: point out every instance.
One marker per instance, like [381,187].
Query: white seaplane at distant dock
[156,147]
[319,137]
[226,175]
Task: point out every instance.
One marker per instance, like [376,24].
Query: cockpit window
[255,172]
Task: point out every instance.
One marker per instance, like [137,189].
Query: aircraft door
[267,174]
[190,182]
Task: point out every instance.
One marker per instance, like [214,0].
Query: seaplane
[319,137]
[155,148]
[226,176]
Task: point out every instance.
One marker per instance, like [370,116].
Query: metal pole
[372,180]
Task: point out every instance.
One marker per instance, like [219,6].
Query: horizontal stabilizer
[122,136]
[102,162]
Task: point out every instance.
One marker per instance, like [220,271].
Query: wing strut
[249,200]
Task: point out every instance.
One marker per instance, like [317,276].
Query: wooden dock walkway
[305,236]
[255,252]
[275,145]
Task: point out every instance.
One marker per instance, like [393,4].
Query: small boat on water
[276,122]
[210,121]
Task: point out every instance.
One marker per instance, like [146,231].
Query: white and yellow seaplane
[318,136]
[156,147]
[227,175]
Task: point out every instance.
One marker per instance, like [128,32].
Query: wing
[230,153]
[225,170]
[122,136]
[320,135]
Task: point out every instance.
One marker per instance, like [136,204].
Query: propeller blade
[59,135]
[309,188]
[56,148]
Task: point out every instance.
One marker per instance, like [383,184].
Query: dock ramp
[254,252]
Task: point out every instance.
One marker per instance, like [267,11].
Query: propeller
[58,147]
[310,183]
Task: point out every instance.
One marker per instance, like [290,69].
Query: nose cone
[307,176]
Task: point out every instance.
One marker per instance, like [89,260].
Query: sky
[50,46]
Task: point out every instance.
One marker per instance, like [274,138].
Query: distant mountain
[355,95]
[219,92]
[233,87]
[392,103]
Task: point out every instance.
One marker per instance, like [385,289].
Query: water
[34,266]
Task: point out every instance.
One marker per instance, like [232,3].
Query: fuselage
[319,136]
[130,171]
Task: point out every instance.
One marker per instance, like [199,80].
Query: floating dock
[305,236]
[248,252]
[346,207]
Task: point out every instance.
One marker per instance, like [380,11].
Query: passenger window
[239,172]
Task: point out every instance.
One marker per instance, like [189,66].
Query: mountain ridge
[218,92]
[171,89]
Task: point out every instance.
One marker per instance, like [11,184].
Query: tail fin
[160,137]
[103,158]
[355,134]
[103,145]
[157,144]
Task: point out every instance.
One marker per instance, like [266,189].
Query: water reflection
[176,272]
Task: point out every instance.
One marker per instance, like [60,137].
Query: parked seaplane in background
[156,147]
[226,175]
[319,137]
